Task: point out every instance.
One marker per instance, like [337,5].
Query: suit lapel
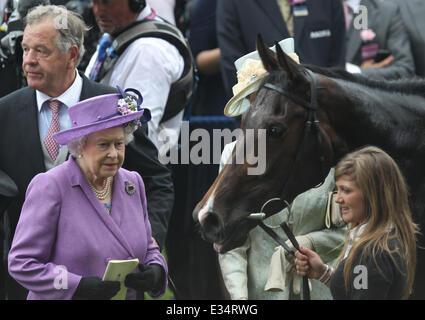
[28,126]
[271,9]
[77,178]
[353,44]
[86,89]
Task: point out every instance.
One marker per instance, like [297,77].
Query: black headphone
[136,5]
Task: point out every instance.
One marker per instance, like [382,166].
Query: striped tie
[286,10]
[50,143]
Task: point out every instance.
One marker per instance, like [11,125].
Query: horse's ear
[287,64]
[267,56]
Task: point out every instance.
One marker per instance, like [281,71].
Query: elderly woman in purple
[88,211]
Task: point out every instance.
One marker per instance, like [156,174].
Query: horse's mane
[414,85]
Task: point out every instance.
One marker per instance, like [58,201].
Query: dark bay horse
[313,117]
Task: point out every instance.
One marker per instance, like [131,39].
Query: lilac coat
[62,223]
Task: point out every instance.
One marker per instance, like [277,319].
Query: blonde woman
[379,257]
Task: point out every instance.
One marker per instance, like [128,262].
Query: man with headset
[149,64]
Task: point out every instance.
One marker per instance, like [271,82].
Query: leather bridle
[311,125]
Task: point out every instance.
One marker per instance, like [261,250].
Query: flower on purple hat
[129,104]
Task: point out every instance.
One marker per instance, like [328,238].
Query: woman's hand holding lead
[309,263]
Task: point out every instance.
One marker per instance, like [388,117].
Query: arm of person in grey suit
[142,156]
[230,42]
[412,13]
[399,45]
[339,42]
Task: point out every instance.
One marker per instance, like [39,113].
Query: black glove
[93,288]
[150,278]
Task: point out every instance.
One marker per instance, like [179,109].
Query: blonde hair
[385,196]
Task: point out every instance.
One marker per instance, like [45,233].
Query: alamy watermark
[61,20]
[360,282]
[360,20]
[61,280]
[252,150]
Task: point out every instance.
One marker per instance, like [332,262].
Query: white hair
[70,26]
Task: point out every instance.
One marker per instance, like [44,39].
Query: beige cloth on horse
[282,268]
[277,280]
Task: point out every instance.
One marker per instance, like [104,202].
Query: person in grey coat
[413,13]
[377,24]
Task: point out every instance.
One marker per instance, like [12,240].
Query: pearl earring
[80,156]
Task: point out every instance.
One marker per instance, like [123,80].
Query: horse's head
[297,150]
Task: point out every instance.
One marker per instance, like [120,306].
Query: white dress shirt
[164,8]
[149,65]
[70,97]
[354,5]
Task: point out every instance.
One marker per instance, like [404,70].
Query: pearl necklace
[102,194]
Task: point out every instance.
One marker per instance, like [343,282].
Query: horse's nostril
[212,227]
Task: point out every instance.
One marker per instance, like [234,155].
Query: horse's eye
[275,131]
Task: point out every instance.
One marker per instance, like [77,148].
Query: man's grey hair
[70,26]
[74,145]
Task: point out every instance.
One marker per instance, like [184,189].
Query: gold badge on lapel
[130,188]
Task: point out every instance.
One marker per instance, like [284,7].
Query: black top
[370,283]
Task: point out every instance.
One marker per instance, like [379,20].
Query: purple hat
[103,112]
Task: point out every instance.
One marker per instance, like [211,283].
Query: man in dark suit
[316,26]
[49,62]
[384,20]
[413,13]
